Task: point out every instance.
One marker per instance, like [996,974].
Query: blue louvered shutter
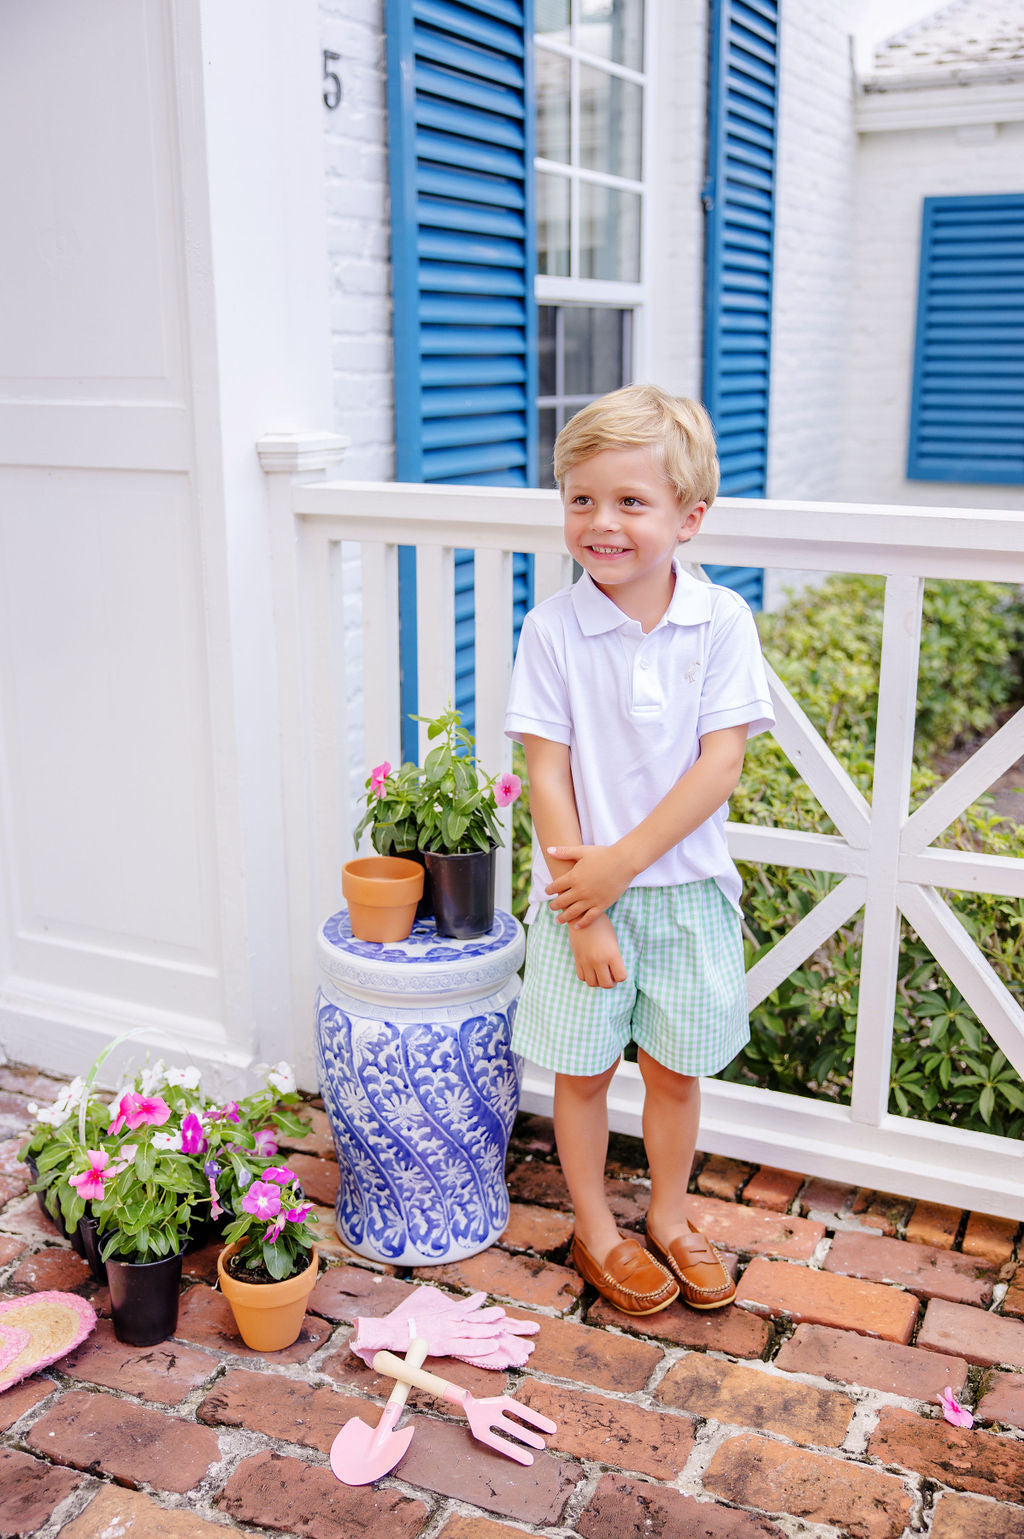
[967,403]
[739,198]
[462,246]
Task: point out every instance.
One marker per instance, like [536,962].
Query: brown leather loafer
[629,1278]
[697,1266]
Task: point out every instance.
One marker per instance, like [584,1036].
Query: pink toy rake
[488,1418]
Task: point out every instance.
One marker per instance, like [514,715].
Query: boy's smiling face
[623,521]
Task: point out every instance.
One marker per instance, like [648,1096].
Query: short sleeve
[538,702]
[735,688]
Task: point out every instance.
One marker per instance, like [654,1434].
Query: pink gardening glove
[452,1327]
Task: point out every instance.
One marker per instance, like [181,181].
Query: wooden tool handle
[406,1373]
[413,1358]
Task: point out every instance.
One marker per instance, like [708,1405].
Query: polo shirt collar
[690,604]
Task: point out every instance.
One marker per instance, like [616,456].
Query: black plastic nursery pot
[144,1299]
[86,1240]
[462,887]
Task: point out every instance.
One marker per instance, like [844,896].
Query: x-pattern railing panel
[886,858]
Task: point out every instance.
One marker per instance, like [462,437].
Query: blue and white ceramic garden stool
[421,1088]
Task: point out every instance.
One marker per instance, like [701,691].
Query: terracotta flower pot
[269,1315]
[382,892]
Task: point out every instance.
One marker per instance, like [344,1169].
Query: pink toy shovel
[361,1454]
[487,1418]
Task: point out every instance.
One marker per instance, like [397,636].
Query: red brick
[24,1218]
[966,1459]
[287,1494]
[284,1408]
[968,1517]
[847,1358]
[445,1459]
[115,1513]
[612,1430]
[54,1267]
[921,1269]
[205,1319]
[545,1185]
[750,1397]
[317,1141]
[459,1527]
[25,1081]
[861,1503]
[536,1229]
[15,1177]
[23,1397]
[1003,1400]
[626,1159]
[621,1508]
[821,1298]
[755,1231]
[730,1330]
[319,1177]
[29,1492]
[10,1249]
[528,1280]
[774,1189]
[881,1211]
[164,1373]
[972,1333]
[823,1199]
[343,1292]
[567,1350]
[725,1178]
[992,1238]
[14,1113]
[1013,1302]
[201,1265]
[932,1223]
[132,1443]
[533,1135]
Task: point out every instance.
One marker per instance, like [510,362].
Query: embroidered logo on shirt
[692,672]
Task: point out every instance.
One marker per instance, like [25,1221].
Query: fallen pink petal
[956,1414]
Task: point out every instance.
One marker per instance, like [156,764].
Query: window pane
[611,111]
[609,233]
[552,225]
[595,355]
[551,19]
[546,430]
[547,377]
[553,141]
[612,29]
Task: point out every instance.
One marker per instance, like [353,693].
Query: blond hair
[677,429]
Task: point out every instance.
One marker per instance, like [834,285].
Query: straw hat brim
[38,1329]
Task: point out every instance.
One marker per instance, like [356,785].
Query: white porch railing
[886,857]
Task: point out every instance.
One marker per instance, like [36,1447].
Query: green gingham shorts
[684,1000]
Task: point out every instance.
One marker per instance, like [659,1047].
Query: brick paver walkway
[806,1408]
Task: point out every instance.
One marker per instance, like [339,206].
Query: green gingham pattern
[684,1000]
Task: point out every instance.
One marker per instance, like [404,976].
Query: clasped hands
[579,897]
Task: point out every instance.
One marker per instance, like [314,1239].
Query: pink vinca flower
[193,1139]
[296,1215]
[507,789]
[378,777]
[90,1184]
[953,1411]
[215,1208]
[279,1173]
[134,1110]
[266,1143]
[262,1200]
[273,1231]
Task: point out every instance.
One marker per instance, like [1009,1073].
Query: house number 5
[332,81]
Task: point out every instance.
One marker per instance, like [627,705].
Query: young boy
[633,694]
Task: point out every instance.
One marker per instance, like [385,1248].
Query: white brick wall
[814,213]
[358,237]
[895,171]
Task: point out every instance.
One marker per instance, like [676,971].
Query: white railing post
[894,759]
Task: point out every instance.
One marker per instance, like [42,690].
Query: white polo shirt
[632,709]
